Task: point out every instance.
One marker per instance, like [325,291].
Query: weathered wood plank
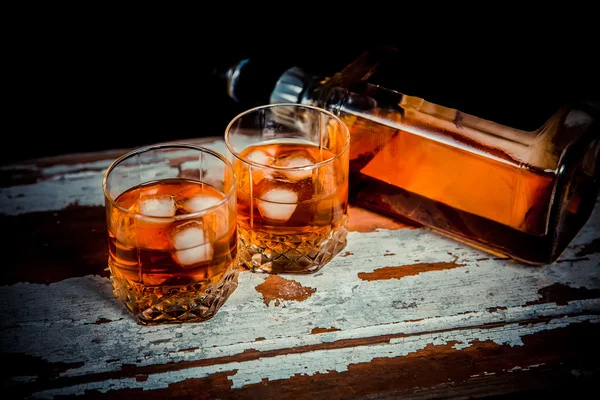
[55,183]
[422,308]
[55,245]
[409,362]
[430,308]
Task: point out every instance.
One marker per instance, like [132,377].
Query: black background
[77,86]
[79,80]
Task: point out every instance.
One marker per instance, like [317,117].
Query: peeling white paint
[56,322]
[310,363]
[527,368]
[65,169]
[443,299]
[64,185]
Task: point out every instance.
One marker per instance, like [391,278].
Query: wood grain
[401,312]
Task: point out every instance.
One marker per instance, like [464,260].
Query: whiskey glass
[172,234]
[291,166]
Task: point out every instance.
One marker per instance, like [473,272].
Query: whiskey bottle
[517,191]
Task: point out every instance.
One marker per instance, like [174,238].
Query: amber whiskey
[492,203]
[170,241]
[291,220]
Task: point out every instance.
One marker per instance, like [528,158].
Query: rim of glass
[159,146]
[296,105]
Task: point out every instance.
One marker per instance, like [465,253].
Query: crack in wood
[102,320]
[571,260]
[425,369]
[131,370]
[318,330]
[190,349]
[495,309]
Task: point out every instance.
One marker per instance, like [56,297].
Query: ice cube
[190,234]
[295,162]
[278,205]
[149,191]
[121,225]
[189,241]
[260,157]
[324,181]
[194,255]
[157,206]
[199,202]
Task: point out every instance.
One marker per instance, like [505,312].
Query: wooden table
[401,312]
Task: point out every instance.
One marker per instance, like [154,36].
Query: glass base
[174,304]
[303,253]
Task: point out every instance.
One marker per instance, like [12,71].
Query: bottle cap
[251,81]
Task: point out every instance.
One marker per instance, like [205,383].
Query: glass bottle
[521,193]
